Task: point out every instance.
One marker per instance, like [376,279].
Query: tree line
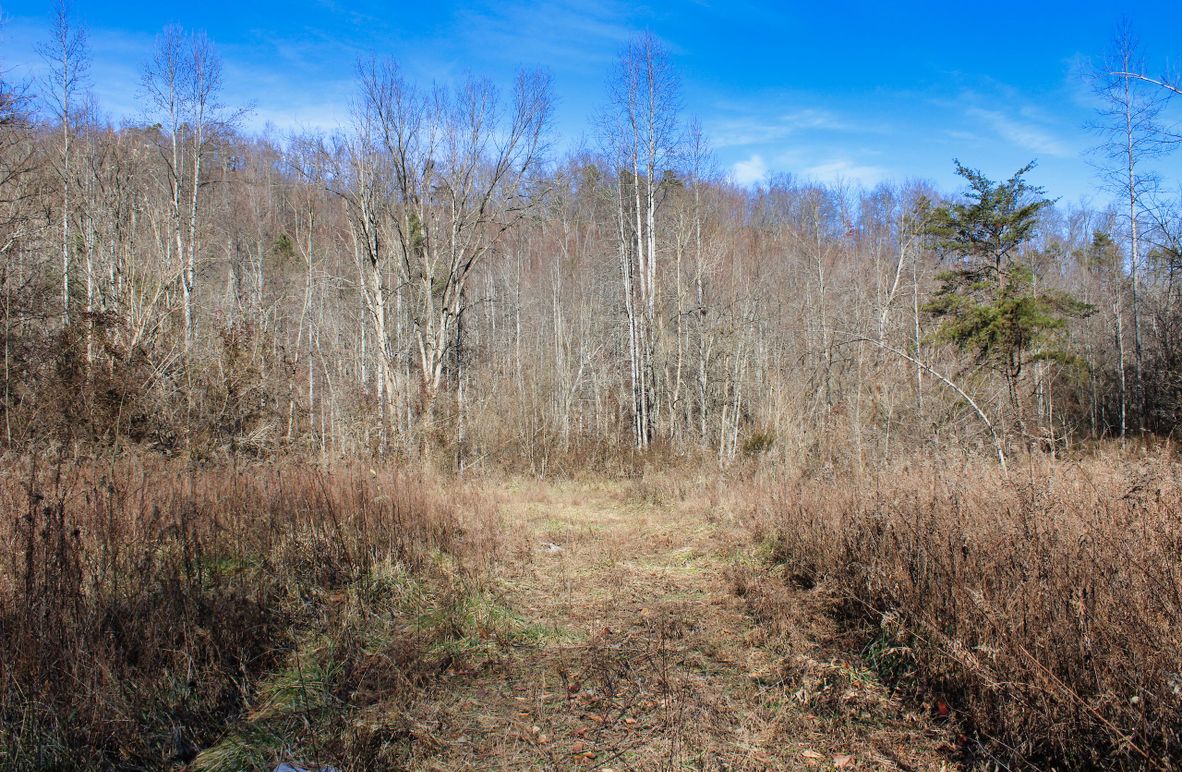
[434,280]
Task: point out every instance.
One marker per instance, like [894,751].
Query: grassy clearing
[153,614]
[1041,613]
[663,666]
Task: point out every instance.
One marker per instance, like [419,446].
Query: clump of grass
[155,613]
[1043,611]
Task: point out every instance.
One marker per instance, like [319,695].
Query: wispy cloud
[759,137]
[845,170]
[756,127]
[1023,133]
[117,59]
[569,34]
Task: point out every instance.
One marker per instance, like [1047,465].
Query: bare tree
[438,177]
[18,159]
[183,83]
[422,282]
[641,132]
[67,58]
[1128,122]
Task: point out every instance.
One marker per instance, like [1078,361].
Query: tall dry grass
[1044,612]
[153,614]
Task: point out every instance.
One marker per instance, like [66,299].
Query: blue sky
[857,92]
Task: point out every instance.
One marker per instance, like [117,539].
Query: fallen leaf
[578,748]
[811,755]
[842,761]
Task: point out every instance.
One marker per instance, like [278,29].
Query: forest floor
[660,641]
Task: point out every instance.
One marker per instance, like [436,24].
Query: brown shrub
[1046,609]
[142,604]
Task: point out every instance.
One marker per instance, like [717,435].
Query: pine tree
[990,303]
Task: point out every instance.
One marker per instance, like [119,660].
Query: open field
[227,620]
[590,385]
[650,657]
[1043,614]
[160,616]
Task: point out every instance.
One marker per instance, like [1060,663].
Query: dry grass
[1042,613]
[152,613]
[645,658]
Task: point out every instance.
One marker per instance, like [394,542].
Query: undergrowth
[1042,612]
[153,614]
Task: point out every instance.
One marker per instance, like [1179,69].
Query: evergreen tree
[990,303]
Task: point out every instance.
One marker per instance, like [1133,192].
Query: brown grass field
[1042,614]
[158,615]
[152,614]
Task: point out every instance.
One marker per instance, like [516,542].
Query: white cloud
[583,35]
[751,172]
[845,170]
[1026,135]
[752,128]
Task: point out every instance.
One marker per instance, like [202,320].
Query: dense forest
[434,278]
[441,441]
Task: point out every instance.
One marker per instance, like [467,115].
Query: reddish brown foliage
[1046,609]
[139,601]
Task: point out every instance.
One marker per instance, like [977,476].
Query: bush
[1046,610]
[150,611]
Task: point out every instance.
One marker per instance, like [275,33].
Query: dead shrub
[150,610]
[1045,609]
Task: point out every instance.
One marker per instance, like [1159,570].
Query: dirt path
[644,655]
